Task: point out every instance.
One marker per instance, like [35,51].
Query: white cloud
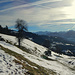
[41,13]
[29,4]
[34,14]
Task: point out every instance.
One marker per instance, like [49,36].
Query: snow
[64,59]
[11,47]
[68,44]
[10,38]
[8,66]
[60,65]
[38,49]
[33,47]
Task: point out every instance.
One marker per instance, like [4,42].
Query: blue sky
[41,15]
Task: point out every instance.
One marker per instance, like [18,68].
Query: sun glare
[70,11]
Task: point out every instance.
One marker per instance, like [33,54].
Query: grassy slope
[31,70]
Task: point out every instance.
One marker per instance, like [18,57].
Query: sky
[40,15]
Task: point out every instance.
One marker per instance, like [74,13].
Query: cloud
[20,4]
[34,14]
[57,4]
[43,13]
[3,1]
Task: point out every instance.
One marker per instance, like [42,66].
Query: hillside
[31,60]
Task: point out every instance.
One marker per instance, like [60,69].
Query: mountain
[69,35]
[30,59]
[50,33]
[47,41]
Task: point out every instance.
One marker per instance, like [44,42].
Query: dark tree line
[5,30]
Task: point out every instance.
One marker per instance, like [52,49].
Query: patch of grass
[24,49]
[45,57]
[10,42]
[74,68]
[35,48]
[31,70]
[29,51]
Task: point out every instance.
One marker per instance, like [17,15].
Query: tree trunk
[19,42]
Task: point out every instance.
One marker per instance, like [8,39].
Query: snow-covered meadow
[8,66]
[61,64]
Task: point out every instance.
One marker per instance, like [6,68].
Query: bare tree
[21,26]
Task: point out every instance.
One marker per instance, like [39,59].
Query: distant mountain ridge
[70,35]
